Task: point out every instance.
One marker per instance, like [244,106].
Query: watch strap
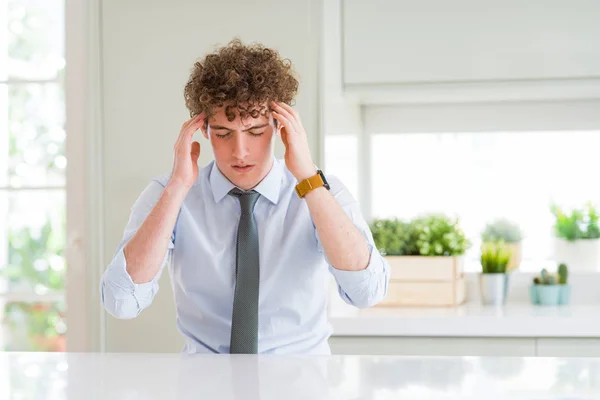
[309,184]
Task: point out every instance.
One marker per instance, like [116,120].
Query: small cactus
[544,275]
[547,278]
[563,274]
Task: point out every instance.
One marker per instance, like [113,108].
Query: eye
[257,133]
[224,136]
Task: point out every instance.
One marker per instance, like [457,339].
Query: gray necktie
[244,320]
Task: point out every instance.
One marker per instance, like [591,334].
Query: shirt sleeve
[366,287]
[120,296]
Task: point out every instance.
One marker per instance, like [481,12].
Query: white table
[90,376]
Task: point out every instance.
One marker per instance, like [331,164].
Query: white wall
[342,118]
[148,49]
[341,112]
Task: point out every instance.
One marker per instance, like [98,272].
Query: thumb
[195,151]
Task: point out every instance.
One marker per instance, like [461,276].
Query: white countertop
[90,376]
[470,320]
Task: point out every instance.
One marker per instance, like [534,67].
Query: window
[32,176]
[479,176]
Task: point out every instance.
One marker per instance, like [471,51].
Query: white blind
[407,41]
[497,117]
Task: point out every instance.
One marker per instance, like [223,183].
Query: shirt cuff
[350,280]
[123,285]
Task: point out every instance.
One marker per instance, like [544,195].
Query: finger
[195,153]
[280,110]
[184,128]
[296,117]
[285,127]
[185,138]
[289,109]
[191,121]
[195,125]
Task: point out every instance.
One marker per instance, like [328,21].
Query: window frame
[83,253]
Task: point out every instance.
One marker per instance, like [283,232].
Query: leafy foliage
[495,256]
[36,263]
[580,223]
[394,237]
[426,235]
[502,230]
[440,235]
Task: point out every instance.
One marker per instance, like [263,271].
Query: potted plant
[426,258]
[394,237]
[509,232]
[551,289]
[577,238]
[493,279]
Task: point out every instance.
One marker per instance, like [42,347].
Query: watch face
[326,184]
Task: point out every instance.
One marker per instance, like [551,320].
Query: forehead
[220,118]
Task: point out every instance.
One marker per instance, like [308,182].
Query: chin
[243,180]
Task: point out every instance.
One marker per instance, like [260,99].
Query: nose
[240,146]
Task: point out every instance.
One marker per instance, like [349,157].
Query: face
[243,149]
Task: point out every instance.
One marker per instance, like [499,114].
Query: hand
[186,153]
[297,152]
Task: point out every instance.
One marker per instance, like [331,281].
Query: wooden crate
[420,268]
[419,281]
[425,294]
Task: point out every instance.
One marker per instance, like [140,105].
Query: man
[251,239]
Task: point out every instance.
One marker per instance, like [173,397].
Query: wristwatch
[312,183]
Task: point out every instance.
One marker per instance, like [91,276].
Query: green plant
[33,256]
[494,257]
[547,278]
[394,237]
[440,235]
[563,273]
[426,235]
[578,224]
[502,230]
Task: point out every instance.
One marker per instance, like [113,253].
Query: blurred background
[479,111]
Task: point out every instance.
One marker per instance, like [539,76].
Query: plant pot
[550,295]
[565,294]
[493,288]
[579,255]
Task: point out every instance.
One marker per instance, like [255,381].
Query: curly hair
[240,77]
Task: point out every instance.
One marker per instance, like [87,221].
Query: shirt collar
[269,187]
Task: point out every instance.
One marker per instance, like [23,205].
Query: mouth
[243,168]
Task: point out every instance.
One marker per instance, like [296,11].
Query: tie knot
[247,199]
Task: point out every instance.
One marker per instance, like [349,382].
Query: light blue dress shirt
[294,270]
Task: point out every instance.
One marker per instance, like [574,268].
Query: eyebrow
[220,127]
